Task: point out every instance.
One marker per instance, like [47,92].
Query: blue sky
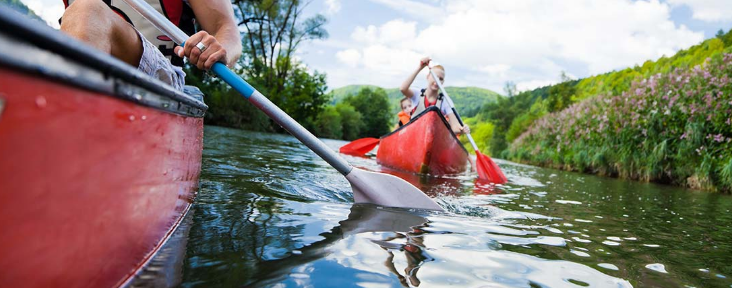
[485,43]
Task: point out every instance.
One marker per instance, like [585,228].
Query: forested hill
[468,100]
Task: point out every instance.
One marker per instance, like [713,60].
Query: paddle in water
[368,187]
[360,147]
[487,169]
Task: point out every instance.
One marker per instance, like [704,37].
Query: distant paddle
[360,147]
[368,187]
[487,169]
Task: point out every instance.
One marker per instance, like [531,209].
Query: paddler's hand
[424,62]
[465,129]
[212,52]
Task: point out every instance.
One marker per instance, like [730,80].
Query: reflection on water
[271,213]
[401,230]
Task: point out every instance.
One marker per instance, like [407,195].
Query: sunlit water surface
[271,213]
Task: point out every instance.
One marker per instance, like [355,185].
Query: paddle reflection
[408,229]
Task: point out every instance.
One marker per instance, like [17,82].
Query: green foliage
[351,121]
[468,100]
[560,95]
[502,114]
[481,131]
[303,98]
[727,39]
[225,106]
[273,32]
[670,127]
[346,120]
[373,104]
[511,116]
[341,121]
[17,5]
[520,124]
[305,95]
[328,124]
[619,81]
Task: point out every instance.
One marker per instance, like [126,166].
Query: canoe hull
[91,185]
[425,145]
[98,162]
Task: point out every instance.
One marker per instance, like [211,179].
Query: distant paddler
[431,96]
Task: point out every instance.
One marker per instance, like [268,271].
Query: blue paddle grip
[231,78]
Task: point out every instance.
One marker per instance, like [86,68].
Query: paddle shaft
[452,106]
[256,98]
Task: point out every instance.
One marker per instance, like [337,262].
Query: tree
[328,124]
[226,107]
[560,95]
[351,121]
[720,34]
[374,107]
[305,95]
[510,88]
[274,30]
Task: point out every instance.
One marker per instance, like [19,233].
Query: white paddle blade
[388,190]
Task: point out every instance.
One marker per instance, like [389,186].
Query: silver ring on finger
[201,47]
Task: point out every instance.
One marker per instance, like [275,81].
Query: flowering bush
[673,128]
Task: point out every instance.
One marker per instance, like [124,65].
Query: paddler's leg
[93,22]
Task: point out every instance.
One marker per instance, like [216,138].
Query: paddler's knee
[81,11]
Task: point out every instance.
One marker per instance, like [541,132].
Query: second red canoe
[424,145]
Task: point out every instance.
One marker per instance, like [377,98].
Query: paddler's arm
[456,127]
[220,35]
[408,83]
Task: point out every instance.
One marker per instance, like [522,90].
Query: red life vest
[422,105]
[177,11]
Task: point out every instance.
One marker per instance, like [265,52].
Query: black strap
[439,97]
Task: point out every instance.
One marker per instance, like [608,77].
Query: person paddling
[430,96]
[115,28]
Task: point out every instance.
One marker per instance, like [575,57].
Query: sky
[486,43]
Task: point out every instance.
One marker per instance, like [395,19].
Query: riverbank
[670,128]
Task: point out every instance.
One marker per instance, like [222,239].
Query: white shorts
[155,64]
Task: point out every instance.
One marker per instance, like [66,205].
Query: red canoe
[98,162]
[425,145]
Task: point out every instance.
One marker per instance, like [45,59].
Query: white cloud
[708,10]
[529,42]
[414,8]
[49,10]
[332,6]
[350,57]
[532,84]
[495,69]
[395,33]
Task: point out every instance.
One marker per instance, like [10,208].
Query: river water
[271,213]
